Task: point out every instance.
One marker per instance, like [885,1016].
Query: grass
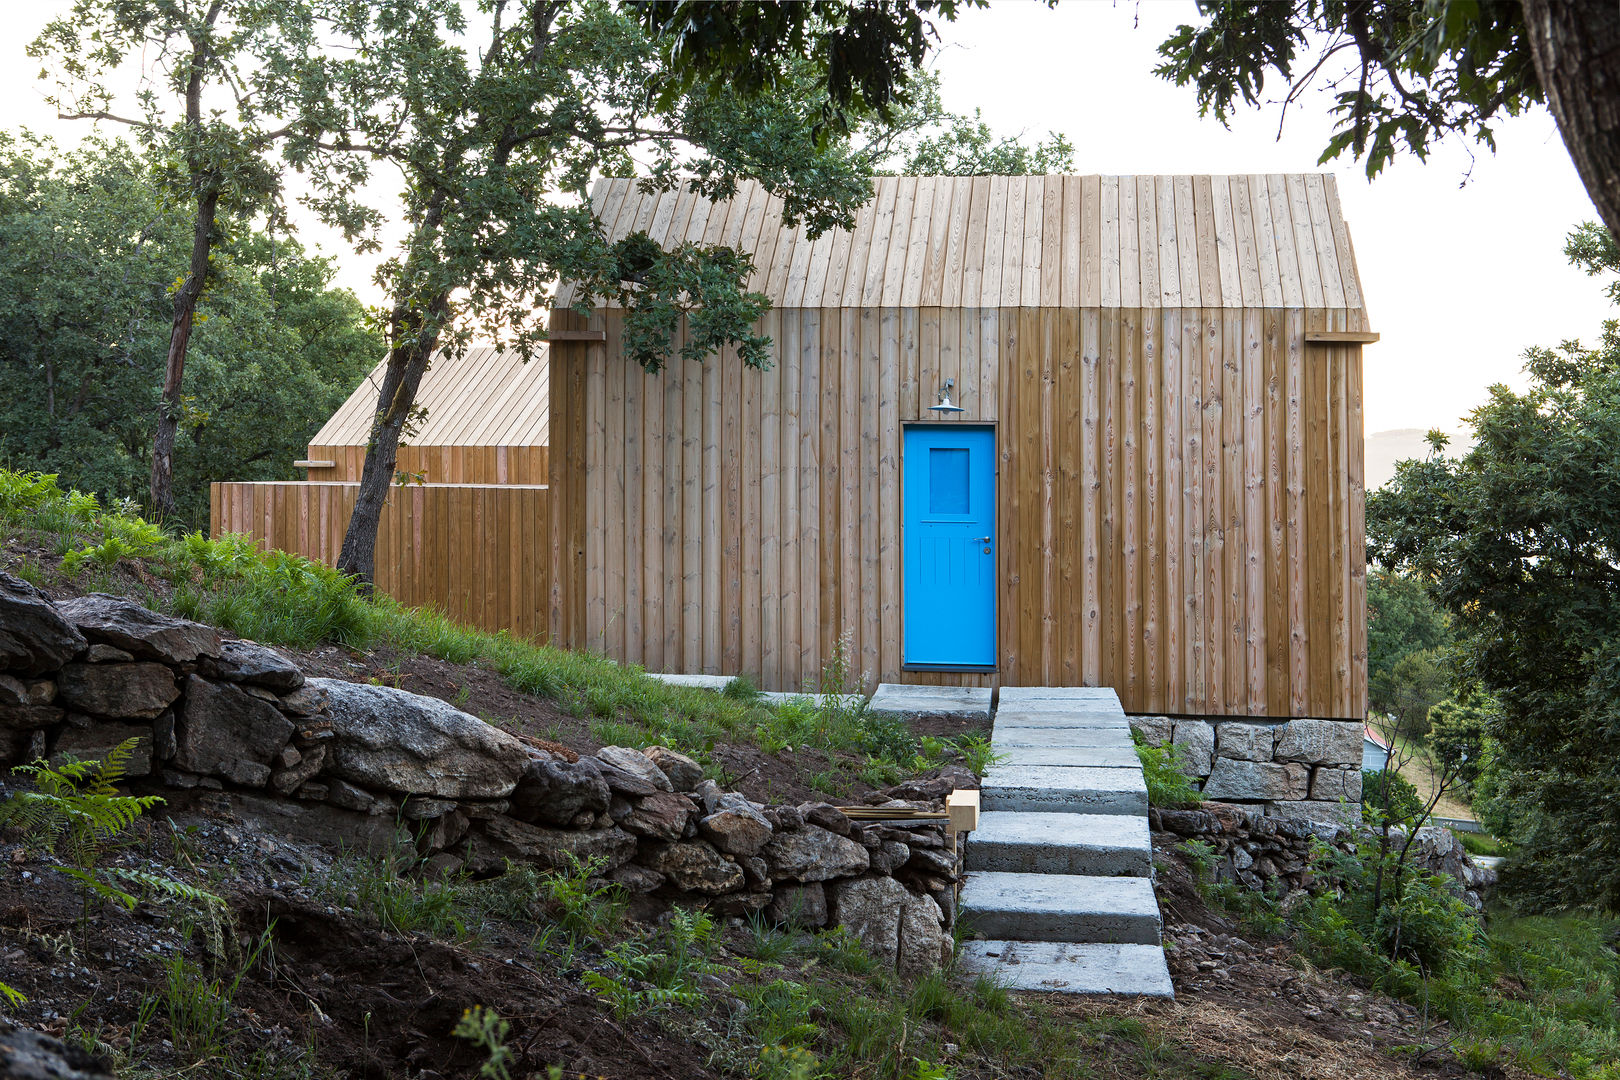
[1541,993]
[277,598]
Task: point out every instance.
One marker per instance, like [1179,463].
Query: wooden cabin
[467,529]
[486,421]
[1149,475]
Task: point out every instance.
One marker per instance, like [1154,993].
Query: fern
[77,810]
[12,997]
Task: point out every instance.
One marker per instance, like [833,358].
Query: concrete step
[1085,757]
[971,703]
[1062,718]
[1100,696]
[717,683]
[1061,907]
[1060,736]
[1065,789]
[1065,968]
[1105,845]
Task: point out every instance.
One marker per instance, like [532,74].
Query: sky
[1460,278]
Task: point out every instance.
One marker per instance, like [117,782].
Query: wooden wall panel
[488,566]
[1179,499]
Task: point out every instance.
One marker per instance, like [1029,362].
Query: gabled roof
[489,397]
[1030,241]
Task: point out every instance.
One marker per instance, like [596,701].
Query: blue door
[949,539]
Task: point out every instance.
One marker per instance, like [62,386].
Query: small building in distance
[485,421]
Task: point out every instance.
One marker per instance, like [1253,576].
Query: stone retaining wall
[1292,768]
[350,762]
[1268,853]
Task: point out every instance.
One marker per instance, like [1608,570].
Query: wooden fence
[478,552]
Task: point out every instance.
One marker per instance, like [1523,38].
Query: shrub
[1386,795]
[1168,786]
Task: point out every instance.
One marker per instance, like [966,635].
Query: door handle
[980,540]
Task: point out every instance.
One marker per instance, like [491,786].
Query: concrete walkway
[1060,870]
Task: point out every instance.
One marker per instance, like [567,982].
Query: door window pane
[947,480]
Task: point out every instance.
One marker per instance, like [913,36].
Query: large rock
[1245,742]
[662,815]
[552,792]
[697,867]
[803,906]
[26,1054]
[289,778]
[1336,784]
[896,926]
[1196,742]
[1321,742]
[15,691]
[34,636]
[556,849]
[738,829]
[142,690]
[399,741]
[1256,780]
[250,662]
[94,742]
[814,854]
[115,620]
[218,726]
[29,717]
[684,773]
[1153,730]
[636,764]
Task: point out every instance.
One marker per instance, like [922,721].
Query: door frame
[995,527]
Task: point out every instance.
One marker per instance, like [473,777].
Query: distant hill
[1385,448]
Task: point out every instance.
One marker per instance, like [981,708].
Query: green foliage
[76,810]
[1520,538]
[1387,796]
[89,247]
[485,1029]
[1401,74]
[199,1004]
[1407,634]
[863,60]
[1457,734]
[1168,785]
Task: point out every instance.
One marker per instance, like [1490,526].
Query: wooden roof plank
[1042,261]
[1012,242]
[860,247]
[915,270]
[1109,254]
[973,243]
[1327,255]
[901,226]
[1167,248]
[1224,237]
[995,237]
[1282,235]
[1130,270]
[1069,271]
[1271,290]
[1310,268]
[1189,243]
[1349,275]
[877,256]
[939,240]
[1147,233]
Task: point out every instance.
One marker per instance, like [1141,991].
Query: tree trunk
[1577,49]
[185,312]
[407,362]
